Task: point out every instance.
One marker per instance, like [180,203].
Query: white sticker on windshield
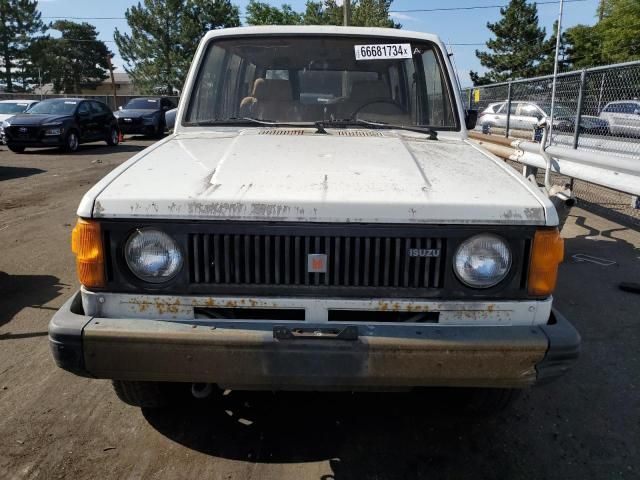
[70,103]
[152,101]
[383,52]
[22,104]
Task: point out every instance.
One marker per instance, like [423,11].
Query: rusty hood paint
[254,174]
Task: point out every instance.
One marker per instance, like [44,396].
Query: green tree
[613,39]
[363,13]
[20,21]
[164,37]
[77,59]
[546,65]
[261,13]
[518,47]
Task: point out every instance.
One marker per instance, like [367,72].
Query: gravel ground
[56,425]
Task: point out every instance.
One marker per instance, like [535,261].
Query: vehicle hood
[37,119]
[5,116]
[275,175]
[134,113]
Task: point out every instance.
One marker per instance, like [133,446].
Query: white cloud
[402,16]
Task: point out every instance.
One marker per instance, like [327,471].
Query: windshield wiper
[237,121]
[320,125]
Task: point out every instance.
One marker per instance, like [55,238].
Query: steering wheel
[376,100]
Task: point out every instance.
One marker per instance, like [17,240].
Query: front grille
[134,121]
[24,133]
[351,261]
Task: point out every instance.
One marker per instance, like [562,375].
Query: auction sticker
[383,51]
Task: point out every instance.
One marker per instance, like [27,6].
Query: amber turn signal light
[86,244]
[546,255]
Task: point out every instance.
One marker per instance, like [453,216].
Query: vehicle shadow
[89,149]
[20,291]
[362,435]
[10,173]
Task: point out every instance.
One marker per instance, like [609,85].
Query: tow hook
[201,390]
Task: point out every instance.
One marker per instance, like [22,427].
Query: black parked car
[62,122]
[145,116]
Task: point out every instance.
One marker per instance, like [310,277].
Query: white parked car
[317,220]
[623,117]
[9,108]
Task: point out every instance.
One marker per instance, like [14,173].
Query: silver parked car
[526,115]
[623,117]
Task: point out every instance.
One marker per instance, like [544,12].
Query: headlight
[53,131]
[149,118]
[482,261]
[153,256]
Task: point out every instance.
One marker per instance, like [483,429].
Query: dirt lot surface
[56,425]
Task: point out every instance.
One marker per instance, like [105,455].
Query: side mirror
[470,119]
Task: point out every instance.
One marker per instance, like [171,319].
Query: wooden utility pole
[345,10]
[113,83]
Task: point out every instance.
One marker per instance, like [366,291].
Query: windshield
[55,107]
[143,104]
[311,78]
[13,107]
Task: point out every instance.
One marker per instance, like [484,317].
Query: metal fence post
[469,102]
[506,131]
[576,127]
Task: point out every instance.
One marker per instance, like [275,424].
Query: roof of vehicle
[19,100]
[323,30]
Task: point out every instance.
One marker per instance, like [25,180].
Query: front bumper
[43,141]
[141,128]
[248,354]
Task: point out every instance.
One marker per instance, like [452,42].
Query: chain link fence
[596,109]
[114,103]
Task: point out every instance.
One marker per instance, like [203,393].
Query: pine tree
[518,47]
[77,59]
[20,21]
[164,37]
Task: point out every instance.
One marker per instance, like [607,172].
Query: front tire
[144,394]
[15,148]
[71,142]
[113,139]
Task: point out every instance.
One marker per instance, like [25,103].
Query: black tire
[70,145]
[144,394]
[15,148]
[113,138]
[490,401]
[159,131]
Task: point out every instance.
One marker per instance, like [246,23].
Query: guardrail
[618,173]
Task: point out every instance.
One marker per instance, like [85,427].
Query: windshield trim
[442,63]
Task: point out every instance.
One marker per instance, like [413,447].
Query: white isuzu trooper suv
[317,220]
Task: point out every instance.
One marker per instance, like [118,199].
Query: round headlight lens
[153,256]
[482,261]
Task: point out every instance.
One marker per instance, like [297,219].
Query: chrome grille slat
[376,262]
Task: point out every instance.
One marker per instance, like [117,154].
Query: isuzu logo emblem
[317,263]
[424,252]
[22,130]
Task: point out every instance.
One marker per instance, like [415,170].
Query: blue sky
[461,26]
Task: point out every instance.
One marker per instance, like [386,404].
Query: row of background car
[616,118]
[67,122]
